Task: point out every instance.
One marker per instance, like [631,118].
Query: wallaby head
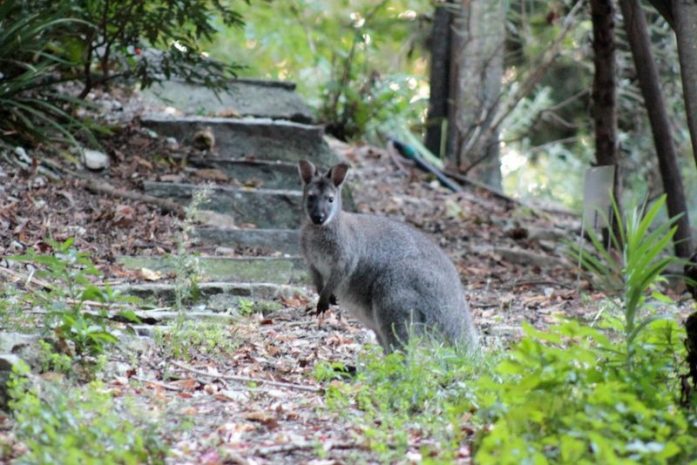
[322,193]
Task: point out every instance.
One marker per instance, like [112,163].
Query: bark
[604,94]
[665,9]
[685,14]
[691,346]
[476,71]
[647,74]
[440,73]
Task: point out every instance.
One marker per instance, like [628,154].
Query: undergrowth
[73,308]
[79,425]
[196,338]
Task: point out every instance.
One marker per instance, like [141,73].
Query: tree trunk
[440,73]
[685,17]
[604,98]
[665,9]
[604,88]
[476,71]
[639,42]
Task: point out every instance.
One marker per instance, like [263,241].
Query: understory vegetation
[81,425]
[567,395]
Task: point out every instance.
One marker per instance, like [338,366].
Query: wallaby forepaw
[322,307]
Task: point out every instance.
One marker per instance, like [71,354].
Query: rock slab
[245,97]
[266,240]
[264,208]
[290,270]
[251,139]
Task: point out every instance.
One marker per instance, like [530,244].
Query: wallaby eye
[312,197]
[330,199]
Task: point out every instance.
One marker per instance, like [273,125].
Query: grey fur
[393,278]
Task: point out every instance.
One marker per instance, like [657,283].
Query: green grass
[65,424]
[426,391]
[248,307]
[197,338]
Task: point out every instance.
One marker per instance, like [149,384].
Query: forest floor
[510,256]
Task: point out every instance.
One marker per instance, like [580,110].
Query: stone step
[265,208]
[245,97]
[256,139]
[278,270]
[259,173]
[165,293]
[265,174]
[286,241]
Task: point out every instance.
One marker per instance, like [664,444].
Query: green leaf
[129,315]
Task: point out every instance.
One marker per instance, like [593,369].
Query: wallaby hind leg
[393,332]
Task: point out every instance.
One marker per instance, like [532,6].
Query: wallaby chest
[322,249]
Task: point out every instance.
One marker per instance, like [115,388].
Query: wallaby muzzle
[318,218]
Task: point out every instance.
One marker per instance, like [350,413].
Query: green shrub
[45,43]
[360,63]
[566,396]
[144,40]
[634,266]
[248,307]
[324,371]
[79,425]
[70,274]
[31,109]
[53,361]
[577,394]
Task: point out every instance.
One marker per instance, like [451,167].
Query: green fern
[634,264]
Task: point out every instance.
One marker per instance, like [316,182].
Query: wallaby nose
[318,218]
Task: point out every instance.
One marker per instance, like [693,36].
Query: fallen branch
[285,448]
[247,379]
[101,186]
[29,280]
[396,159]
[158,384]
[413,154]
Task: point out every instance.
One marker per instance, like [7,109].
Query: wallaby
[394,279]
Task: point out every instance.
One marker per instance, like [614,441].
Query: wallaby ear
[306,170]
[338,173]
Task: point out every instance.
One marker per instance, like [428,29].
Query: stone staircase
[265,128]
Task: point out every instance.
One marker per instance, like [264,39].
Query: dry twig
[247,379]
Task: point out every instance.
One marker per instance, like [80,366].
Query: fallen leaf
[187,384]
[262,417]
[149,275]
[212,174]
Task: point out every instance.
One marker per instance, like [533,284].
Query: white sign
[597,197]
